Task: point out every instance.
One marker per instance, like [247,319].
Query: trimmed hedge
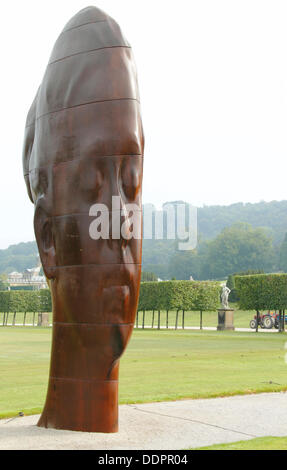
[262,291]
[179,295]
[165,295]
[4,301]
[45,300]
[25,301]
[233,296]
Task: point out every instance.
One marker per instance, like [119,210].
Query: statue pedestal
[43,319]
[225,319]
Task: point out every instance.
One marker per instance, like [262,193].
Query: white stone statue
[224,297]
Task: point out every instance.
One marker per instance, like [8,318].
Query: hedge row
[166,295]
[262,291]
[25,301]
[256,292]
[233,296]
[179,295]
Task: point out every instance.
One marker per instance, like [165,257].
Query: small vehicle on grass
[267,320]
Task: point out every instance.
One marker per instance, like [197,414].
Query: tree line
[238,248]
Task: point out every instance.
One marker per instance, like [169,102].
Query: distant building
[28,280]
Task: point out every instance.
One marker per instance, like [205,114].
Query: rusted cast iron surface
[83,145]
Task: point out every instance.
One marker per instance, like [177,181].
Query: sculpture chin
[83,385]
[94,308]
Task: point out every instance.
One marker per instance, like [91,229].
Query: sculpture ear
[45,240]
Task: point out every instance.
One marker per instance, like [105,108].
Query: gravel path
[166,425]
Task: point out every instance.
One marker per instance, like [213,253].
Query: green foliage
[148,276]
[259,443]
[18,257]
[4,301]
[179,295]
[3,282]
[262,291]
[236,249]
[208,296]
[162,257]
[233,296]
[25,301]
[18,300]
[213,219]
[230,283]
[283,255]
[45,300]
[239,248]
[156,255]
[148,298]
[184,264]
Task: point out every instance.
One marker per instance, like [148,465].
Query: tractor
[267,320]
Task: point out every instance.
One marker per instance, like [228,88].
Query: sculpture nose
[126,224]
[119,224]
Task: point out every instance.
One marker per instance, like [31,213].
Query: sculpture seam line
[90,264]
[80,25]
[53,165]
[84,380]
[73,214]
[81,104]
[88,51]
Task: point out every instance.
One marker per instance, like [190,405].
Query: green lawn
[157,366]
[260,443]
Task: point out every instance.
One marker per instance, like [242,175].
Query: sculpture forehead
[99,129]
[88,101]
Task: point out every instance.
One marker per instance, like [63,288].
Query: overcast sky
[213,86]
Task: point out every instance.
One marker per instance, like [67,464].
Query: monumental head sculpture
[83,161]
